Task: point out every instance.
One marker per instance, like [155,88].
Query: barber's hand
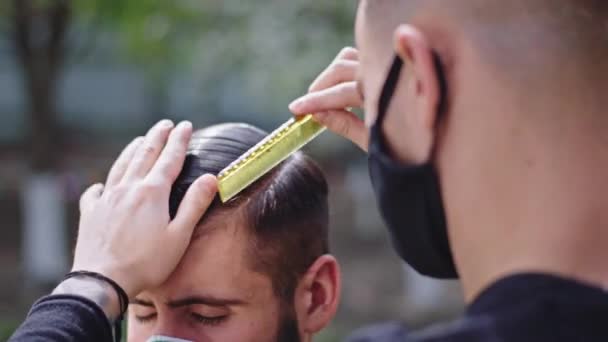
[125,230]
[332,94]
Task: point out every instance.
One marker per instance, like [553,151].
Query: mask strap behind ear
[443,84]
[389,89]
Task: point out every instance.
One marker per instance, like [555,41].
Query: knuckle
[149,150]
[166,172]
[346,90]
[117,194]
[343,128]
[177,150]
[337,67]
[169,168]
[150,186]
[145,188]
[87,197]
[347,51]
[135,143]
[83,203]
[341,66]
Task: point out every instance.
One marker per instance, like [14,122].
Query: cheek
[370,98]
[373,70]
[373,87]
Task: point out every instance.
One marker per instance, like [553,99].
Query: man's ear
[421,86]
[318,295]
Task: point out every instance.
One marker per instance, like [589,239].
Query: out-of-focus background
[79,79]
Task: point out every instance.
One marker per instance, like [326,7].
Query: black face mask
[409,198]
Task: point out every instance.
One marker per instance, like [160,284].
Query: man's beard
[288,327]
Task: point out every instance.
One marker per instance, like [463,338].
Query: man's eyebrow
[205,300]
[141,302]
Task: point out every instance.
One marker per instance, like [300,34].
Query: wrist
[96,290]
[122,279]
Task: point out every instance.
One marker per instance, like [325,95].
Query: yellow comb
[268,153]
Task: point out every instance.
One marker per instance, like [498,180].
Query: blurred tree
[259,53]
[39,30]
[243,56]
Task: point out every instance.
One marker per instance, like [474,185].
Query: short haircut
[535,33]
[286,211]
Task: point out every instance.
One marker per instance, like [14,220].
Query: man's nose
[168,330]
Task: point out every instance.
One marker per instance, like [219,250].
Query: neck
[531,198]
[564,259]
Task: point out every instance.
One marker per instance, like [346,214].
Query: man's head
[514,136]
[257,268]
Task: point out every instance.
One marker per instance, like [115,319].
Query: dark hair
[286,210]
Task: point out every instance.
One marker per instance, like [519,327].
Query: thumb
[90,196]
[197,200]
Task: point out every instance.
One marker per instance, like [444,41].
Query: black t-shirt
[521,308]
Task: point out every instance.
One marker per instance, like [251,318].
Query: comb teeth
[269,139]
[265,155]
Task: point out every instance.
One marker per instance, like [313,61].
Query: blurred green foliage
[268,50]
[6,329]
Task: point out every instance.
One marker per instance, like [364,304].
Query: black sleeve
[64,318]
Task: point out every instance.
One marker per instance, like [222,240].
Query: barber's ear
[318,295]
[422,97]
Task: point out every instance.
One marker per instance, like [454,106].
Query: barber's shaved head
[504,30]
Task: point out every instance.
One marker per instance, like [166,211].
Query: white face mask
[160,338]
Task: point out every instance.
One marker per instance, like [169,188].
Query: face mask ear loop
[389,89]
[443,85]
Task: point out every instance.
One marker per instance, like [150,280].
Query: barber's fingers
[349,53]
[148,151]
[195,203]
[342,69]
[90,196]
[346,124]
[339,71]
[171,160]
[338,97]
[120,165]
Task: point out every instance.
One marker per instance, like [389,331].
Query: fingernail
[185,124]
[166,123]
[295,105]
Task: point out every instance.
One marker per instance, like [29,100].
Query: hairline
[240,216]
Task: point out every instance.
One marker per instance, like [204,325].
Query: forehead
[216,263]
